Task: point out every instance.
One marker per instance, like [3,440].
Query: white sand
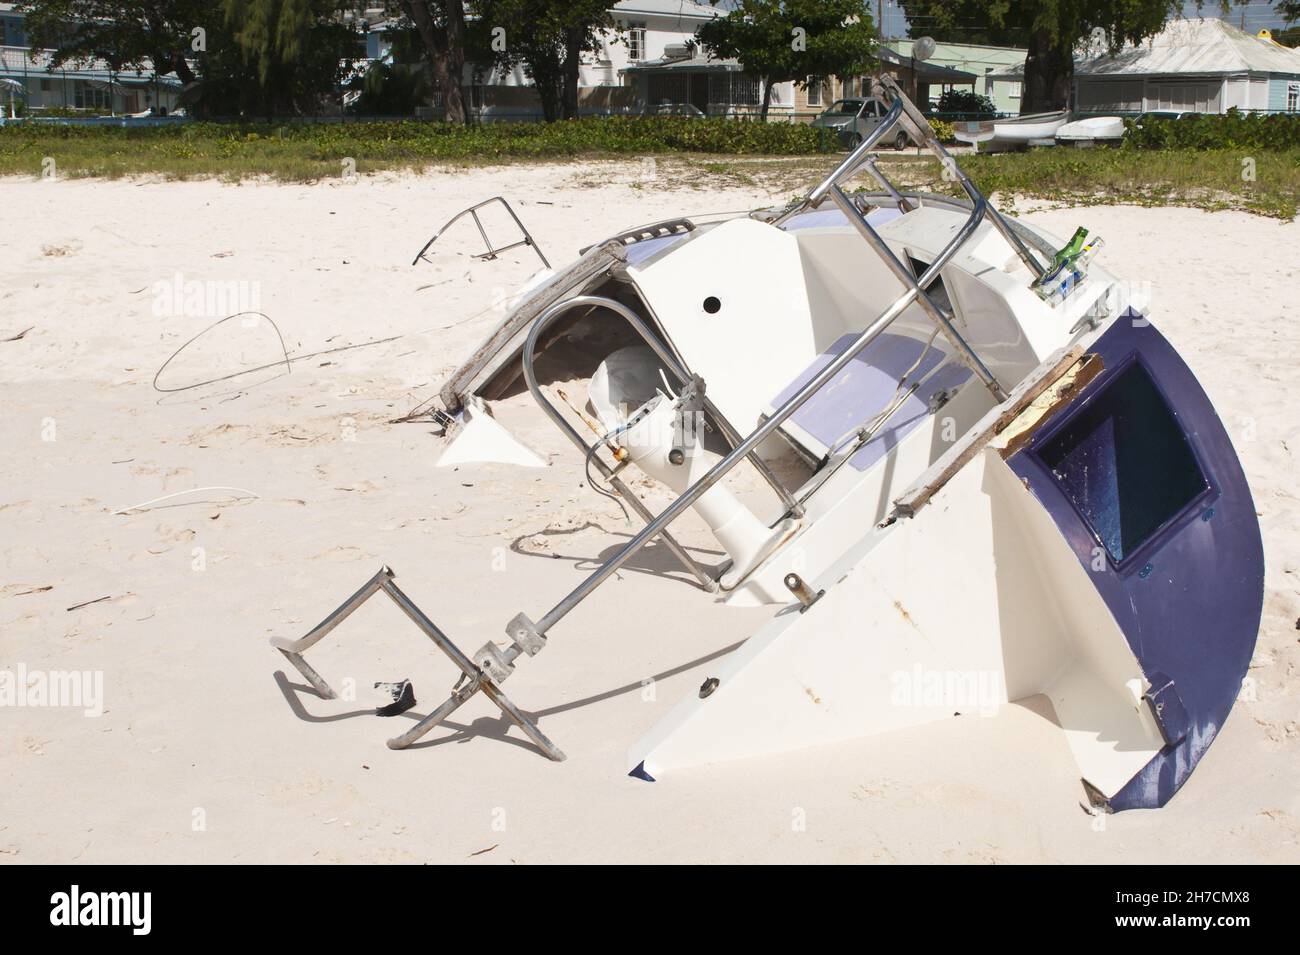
[201,757]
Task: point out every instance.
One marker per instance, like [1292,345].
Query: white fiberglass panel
[732,301]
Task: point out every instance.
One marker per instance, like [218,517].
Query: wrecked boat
[1001,469]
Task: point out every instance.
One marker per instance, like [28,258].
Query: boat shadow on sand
[491,727]
[655,559]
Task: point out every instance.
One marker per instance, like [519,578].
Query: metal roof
[687,9]
[926,70]
[697,63]
[702,63]
[21,62]
[1196,46]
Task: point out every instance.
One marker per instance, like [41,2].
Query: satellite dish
[923,48]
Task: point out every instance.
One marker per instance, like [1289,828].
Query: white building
[90,87]
[1198,65]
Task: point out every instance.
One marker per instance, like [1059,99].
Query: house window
[1293,97]
[636,42]
[815,90]
[91,97]
[46,86]
[1180,98]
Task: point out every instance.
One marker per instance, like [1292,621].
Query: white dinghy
[1007,480]
[1003,134]
[1091,131]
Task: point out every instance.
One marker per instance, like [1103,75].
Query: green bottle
[1071,250]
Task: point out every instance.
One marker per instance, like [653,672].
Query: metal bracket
[483,674]
[686,419]
[523,633]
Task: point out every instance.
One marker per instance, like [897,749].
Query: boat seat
[862,390]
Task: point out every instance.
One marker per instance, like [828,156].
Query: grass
[1263,182]
[298,153]
[705,154]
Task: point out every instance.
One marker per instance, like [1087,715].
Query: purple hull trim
[1189,595]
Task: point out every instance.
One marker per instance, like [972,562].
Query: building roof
[964,53]
[1196,46]
[694,64]
[702,62]
[925,70]
[685,9]
[20,62]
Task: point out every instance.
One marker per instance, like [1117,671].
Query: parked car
[854,119]
[676,109]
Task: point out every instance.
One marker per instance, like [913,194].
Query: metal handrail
[695,491]
[925,131]
[918,286]
[530,375]
[674,365]
[492,251]
[914,291]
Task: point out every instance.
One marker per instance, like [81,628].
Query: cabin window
[1293,97]
[1125,463]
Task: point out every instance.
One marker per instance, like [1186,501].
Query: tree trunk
[445,48]
[1049,74]
[572,71]
[182,68]
[767,98]
[454,12]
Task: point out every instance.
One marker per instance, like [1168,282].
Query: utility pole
[880,19]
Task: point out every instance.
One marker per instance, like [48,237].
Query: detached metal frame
[492,251]
[491,664]
[473,678]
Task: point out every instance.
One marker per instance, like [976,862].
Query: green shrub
[310,150]
[1232,130]
[946,131]
[966,102]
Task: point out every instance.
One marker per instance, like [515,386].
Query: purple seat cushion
[865,387]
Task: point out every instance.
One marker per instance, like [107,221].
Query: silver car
[854,119]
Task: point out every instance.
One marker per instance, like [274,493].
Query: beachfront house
[997,71]
[94,88]
[1196,65]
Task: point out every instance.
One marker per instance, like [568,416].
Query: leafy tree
[792,40]
[1049,29]
[441,27]
[126,34]
[1289,10]
[547,38]
[297,50]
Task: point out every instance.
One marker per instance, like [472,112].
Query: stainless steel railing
[914,291]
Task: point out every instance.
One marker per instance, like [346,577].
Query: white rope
[216,487]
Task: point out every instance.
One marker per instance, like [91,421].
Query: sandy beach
[208,749]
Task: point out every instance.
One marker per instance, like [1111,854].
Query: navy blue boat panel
[1184,569]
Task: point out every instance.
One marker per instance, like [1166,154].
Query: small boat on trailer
[1008,482]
